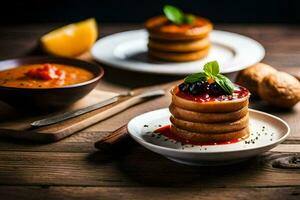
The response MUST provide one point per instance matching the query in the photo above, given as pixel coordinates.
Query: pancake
(192, 116)
(178, 57)
(161, 28)
(179, 46)
(221, 127)
(210, 107)
(208, 137)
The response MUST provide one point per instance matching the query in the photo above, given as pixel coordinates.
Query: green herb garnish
(212, 72)
(189, 18)
(176, 15)
(195, 77)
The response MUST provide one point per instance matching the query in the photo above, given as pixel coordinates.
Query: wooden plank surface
(138, 167)
(83, 142)
(132, 193)
(74, 169)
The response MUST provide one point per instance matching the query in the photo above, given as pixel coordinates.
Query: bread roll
(280, 89)
(252, 77)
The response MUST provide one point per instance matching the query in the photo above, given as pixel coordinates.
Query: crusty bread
(280, 89)
(211, 127)
(209, 137)
(252, 76)
(193, 116)
(210, 107)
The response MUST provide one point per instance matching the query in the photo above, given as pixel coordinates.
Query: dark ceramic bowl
(48, 97)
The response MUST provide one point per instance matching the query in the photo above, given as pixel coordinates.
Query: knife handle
(113, 138)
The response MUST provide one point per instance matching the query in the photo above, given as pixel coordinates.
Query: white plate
(266, 131)
(128, 50)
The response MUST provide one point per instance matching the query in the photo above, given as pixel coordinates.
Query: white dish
(128, 51)
(266, 131)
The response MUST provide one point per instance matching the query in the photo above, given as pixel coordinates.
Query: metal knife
(71, 114)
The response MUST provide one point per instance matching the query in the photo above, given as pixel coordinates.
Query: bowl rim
(59, 60)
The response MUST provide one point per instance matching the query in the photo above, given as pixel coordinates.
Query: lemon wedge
(71, 40)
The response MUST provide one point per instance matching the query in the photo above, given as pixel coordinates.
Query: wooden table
(73, 168)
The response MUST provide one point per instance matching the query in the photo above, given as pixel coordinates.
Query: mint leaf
(189, 19)
(195, 77)
(212, 71)
(211, 68)
(224, 83)
(174, 14)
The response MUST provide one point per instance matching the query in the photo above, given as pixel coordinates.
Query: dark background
(126, 11)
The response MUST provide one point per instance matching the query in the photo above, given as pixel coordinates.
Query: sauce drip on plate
(166, 131)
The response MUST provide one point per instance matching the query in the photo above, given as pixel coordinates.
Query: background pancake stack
(178, 42)
(215, 121)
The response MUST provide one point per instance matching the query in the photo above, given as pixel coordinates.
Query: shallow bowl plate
(128, 51)
(266, 132)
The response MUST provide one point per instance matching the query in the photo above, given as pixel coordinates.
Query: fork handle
(112, 138)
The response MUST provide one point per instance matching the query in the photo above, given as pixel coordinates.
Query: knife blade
(71, 114)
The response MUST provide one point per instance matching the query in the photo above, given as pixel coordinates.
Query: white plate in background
(128, 51)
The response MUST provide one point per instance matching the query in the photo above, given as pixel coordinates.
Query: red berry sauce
(238, 93)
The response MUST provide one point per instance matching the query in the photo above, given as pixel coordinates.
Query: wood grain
(137, 167)
(68, 127)
(73, 169)
(83, 142)
(147, 193)
(113, 139)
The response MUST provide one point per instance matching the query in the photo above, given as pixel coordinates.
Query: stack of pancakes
(213, 121)
(178, 42)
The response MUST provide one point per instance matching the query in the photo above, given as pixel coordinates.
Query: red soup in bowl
(45, 82)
